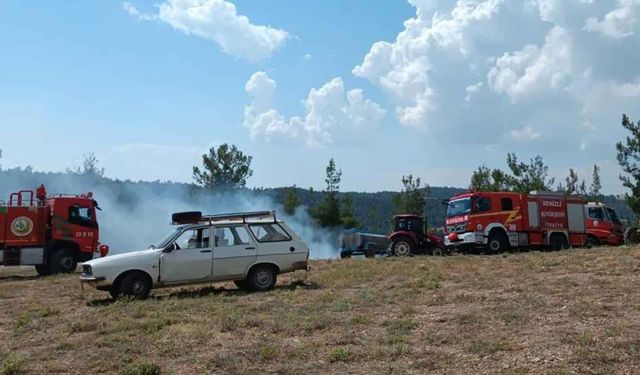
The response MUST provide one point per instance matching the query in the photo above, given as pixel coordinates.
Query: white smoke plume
(136, 215)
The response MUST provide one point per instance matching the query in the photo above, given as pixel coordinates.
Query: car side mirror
(170, 248)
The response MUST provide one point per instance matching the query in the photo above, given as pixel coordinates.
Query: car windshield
(613, 215)
(165, 241)
(459, 207)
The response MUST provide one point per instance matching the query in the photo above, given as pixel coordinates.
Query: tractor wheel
(262, 278)
(498, 243)
(62, 261)
(402, 247)
(42, 270)
(437, 251)
(135, 284)
(592, 241)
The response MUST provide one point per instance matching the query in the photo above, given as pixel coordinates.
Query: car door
(234, 251)
(189, 258)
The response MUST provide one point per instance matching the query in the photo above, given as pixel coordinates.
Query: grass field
(575, 311)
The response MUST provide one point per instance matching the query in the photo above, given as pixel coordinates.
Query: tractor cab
(409, 236)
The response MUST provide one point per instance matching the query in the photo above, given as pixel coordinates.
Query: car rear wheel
(402, 247)
(135, 285)
(261, 278)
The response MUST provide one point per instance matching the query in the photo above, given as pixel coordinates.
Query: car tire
(261, 279)
(62, 261)
(42, 270)
(402, 247)
(135, 284)
(241, 284)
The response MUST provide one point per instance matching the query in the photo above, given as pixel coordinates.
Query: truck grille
(86, 270)
(457, 228)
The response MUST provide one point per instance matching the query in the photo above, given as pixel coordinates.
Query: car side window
(269, 233)
(230, 236)
(193, 239)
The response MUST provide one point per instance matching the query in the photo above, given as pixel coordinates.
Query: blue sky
(387, 88)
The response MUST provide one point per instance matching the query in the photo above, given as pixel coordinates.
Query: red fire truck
(52, 233)
(603, 225)
(499, 221)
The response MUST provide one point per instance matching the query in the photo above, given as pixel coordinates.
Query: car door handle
(250, 248)
(205, 251)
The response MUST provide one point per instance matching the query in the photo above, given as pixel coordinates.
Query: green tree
(347, 216)
(327, 213)
(485, 179)
(291, 200)
(528, 177)
(629, 158)
(596, 186)
(373, 223)
(227, 168)
(413, 197)
(90, 166)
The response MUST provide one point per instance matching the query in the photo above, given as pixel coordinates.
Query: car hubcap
(402, 249)
(263, 278)
(138, 287)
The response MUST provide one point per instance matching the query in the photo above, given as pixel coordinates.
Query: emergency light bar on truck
(196, 217)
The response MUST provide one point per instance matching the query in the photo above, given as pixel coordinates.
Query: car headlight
(86, 270)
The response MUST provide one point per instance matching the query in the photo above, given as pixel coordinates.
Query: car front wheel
(261, 278)
(135, 285)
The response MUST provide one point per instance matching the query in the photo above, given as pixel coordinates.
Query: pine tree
(291, 200)
(327, 213)
(628, 157)
(347, 215)
(594, 189)
(227, 168)
(413, 198)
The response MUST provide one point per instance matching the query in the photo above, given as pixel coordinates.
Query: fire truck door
(534, 215)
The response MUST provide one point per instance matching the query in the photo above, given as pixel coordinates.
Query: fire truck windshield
(613, 216)
(459, 207)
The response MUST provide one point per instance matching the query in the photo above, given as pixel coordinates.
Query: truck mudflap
(32, 256)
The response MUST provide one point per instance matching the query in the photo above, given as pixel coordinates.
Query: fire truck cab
(603, 225)
(52, 233)
(499, 221)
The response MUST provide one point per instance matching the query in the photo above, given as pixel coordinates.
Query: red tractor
(52, 233)
(410, 236)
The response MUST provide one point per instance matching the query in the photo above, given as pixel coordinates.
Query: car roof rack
(240, 216)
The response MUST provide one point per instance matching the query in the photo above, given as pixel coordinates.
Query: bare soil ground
(575, 311)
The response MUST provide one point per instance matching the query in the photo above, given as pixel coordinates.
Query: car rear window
(269, 233)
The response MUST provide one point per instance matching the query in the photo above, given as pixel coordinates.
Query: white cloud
(472, 89)
(307, 57)
(403, 68)
(329, 112)
(618, 23)
(218, 21)
(526, 133)
(534, 69)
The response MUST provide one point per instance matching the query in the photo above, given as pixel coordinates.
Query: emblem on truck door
(22, 226)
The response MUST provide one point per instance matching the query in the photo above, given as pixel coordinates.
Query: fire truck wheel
(592, 241)
(558, 242)
(498, 243)
(402, 247)
(135, 284)
(62, 261)
(43, 270)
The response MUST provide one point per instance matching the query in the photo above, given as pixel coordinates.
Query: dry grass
(574, 311)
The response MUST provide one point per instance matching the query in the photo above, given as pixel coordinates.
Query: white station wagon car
(250, 249)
